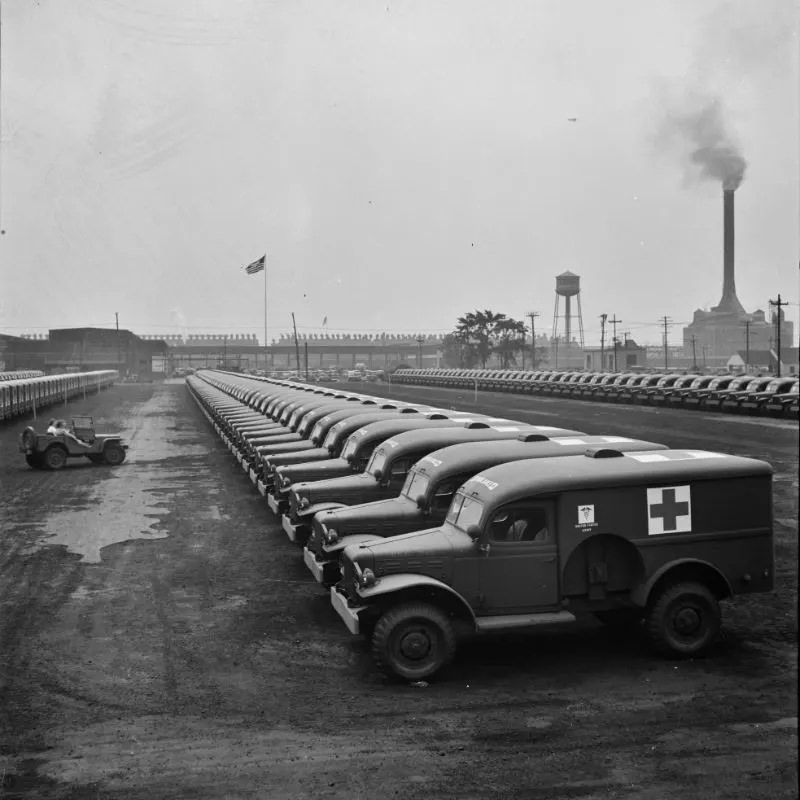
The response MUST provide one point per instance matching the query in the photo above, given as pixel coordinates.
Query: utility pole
(665, 321)
(305, 345)
(777, 303)
(296, 344)
(694, 353)
(116, 316)
(420, 340)
(614, 322)
(225, 351)
(603, 318)
(533, 315)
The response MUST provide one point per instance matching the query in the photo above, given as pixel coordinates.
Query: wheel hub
(687, 621)
(415, 645)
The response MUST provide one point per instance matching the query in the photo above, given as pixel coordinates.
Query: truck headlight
(285, 480)
(304, 502)
(331, 535)
(367, 578)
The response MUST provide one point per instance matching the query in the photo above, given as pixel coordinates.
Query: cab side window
(399, 469)
(519, 524)
(443, 494)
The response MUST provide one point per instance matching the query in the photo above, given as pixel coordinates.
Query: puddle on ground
(129, 502)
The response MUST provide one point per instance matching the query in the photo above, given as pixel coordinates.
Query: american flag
(256, 266)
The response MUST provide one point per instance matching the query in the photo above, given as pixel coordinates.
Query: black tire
(113, 454)
(55, 457)
(29, 437)
(413, 641)
(621, 619)
(34, 460)
(683, 619)
(96, 458)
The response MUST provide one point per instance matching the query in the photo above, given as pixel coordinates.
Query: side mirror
(474, 532)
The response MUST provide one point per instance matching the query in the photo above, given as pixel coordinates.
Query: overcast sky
(400, 163)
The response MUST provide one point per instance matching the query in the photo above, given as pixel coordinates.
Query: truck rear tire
(683, 619)
(413, 641)
(55, 457)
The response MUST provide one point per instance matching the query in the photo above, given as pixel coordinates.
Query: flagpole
(266, 369)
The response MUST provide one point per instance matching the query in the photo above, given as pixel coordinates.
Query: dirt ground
(160, 637)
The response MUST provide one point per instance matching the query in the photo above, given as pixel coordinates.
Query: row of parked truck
(748, 394)
(427, 525)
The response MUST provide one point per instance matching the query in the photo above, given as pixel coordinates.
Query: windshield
(330, 439)
(464, 511)
(416, 484)
(350, 447)
(378, 461)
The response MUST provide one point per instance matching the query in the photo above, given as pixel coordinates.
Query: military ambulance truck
(660, 537)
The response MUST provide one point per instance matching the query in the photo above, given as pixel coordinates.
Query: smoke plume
(694, 127)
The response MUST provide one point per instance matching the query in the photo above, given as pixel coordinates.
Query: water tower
(568, 285)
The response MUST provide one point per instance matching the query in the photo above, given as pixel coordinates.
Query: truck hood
(297, 456)
(342, 488)
(367, 517)
(284, 448)
(318, 470)
(427, 552)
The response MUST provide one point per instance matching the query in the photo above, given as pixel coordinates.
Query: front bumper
(348, 614)
(294, 532)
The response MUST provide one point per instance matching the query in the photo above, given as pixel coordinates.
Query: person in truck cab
(59, 427)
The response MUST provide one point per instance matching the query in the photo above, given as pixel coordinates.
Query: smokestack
(729, 302)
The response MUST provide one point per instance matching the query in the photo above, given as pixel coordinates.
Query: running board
(485, 624)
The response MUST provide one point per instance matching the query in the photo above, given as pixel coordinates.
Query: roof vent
(533, 437)
(437, 415)
(476, 425)
(603, 452)
(408, 411)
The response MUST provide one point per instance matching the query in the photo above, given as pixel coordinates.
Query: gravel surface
(160, 637)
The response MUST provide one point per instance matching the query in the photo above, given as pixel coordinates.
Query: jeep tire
(413, 641)
(55, 457)
(683, 619)
(113, 454)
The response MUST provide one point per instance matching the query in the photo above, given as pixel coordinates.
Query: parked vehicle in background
(732, 400)
(783, 404)
(753, 403)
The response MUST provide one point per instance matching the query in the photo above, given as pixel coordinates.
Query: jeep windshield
(416, 484)
(464, 511)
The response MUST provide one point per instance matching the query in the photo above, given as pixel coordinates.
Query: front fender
(313, 509)
(392, 584)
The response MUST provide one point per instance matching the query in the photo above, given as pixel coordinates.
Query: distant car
(49, 451)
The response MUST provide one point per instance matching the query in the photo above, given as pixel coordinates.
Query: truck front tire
(413, 641)
(683, 619)
(113, 454)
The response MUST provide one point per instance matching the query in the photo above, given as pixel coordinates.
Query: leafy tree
(509, 338)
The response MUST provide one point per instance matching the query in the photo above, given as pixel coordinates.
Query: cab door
(518, 571)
